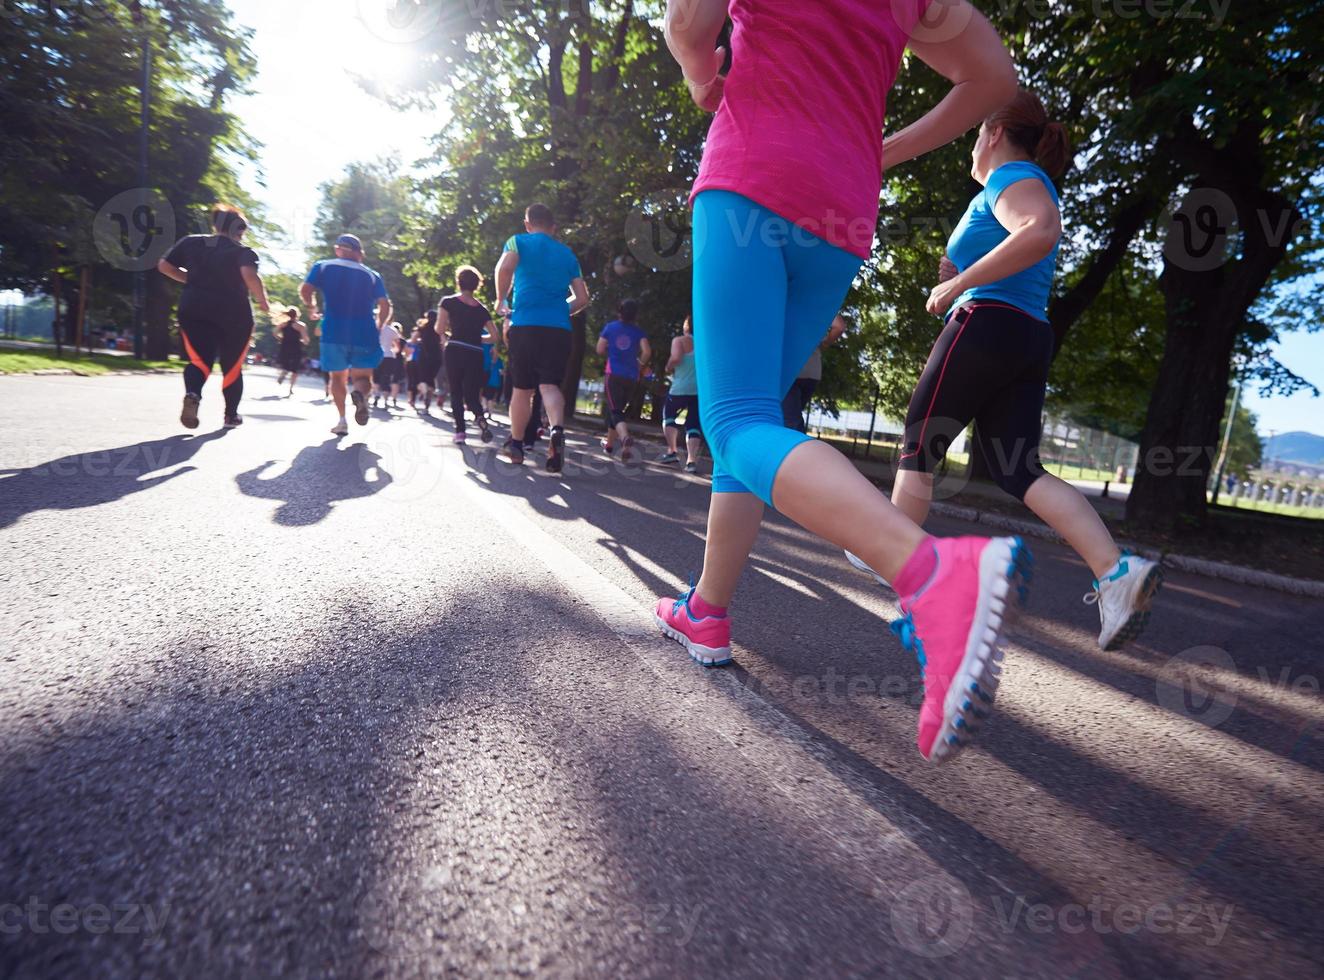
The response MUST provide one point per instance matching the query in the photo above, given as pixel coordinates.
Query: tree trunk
(1177, 444)
(56, 281)
(574, 368)
(160, 303)
(1206, 310)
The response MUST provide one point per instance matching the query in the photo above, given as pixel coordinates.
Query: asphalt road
(277, 704)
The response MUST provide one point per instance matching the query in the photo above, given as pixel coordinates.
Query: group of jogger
(784, 210)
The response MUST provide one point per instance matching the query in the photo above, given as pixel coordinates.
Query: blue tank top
(979, 232)
(683, 380)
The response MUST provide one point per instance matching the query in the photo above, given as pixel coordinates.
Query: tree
(373, 201)
(577, 106)
(1203, 141)
(69, 76)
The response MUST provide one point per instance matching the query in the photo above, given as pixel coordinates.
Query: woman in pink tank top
(785, 207)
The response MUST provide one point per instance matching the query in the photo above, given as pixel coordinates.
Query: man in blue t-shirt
(544, 273)
(625, 346)
(350, 335)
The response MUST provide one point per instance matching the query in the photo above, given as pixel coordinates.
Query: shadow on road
(316, 479)
(94, 478)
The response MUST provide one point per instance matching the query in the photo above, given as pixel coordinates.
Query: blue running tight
(765, 293)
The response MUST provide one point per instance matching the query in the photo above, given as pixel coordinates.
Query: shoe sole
(188, 415)
(1006, 567)
(700, 654)
(515, 457)
(360, 408)
(1135, 623)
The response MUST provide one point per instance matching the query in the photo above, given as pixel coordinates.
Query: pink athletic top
(800, 127)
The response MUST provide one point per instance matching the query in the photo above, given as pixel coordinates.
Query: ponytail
(1028, 128)
(1054, 150)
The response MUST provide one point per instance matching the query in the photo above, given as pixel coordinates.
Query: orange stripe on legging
(193, 357)
(232, 375)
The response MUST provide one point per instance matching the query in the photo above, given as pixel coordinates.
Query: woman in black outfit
(428, 364)
(215, 318)
(293, 336)
(467, 324)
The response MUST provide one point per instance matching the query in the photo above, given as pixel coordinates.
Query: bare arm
(645, 351)
(977, 64)
(302, 327)
(505, 278)
(489, 333)
(309, 297)
(580, 291)
(1027, 211)
(171, 271)
(383, 313)
(835, 332)
(602, 347)
(691, 28)
(254, 283)
(677, 353)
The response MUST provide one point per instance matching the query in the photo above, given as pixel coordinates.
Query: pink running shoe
(708, 640)
(459, 439)
(954, 625)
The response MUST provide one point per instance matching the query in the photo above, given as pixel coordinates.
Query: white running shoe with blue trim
(1124, 597)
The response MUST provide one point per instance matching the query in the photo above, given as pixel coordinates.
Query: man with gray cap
(350, 347)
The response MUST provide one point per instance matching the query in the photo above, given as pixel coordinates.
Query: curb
(1186, 563)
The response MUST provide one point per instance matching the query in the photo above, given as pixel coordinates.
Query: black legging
(204, 341)
(465, 375)
(990, 365)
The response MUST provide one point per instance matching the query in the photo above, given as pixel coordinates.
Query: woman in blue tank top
(682, 398)
(990, 363)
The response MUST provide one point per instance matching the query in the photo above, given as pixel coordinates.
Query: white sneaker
(341, 428)
(859, 563)
(1124, 596)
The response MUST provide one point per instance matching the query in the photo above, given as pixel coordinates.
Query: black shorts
(291, 361)
(538, 356)
(619, 392)
(990, 366)
(688, 404)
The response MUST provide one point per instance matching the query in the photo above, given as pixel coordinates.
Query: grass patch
(90, 365)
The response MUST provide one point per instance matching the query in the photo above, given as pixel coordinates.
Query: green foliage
(1245, 448)
(373, 201)
(69, 97)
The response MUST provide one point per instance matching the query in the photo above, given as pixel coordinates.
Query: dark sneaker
(234, 421)
(668, 458)
(188, 415)
(360, 407)
(556, 453)
(691, 467)
(514, 452)
(485, 431)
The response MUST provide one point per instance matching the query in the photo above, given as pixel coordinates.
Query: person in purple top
(625, 346)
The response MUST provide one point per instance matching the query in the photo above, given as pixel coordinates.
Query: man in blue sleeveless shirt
(544, 273)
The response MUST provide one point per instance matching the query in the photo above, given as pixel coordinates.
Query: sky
(308, 111)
